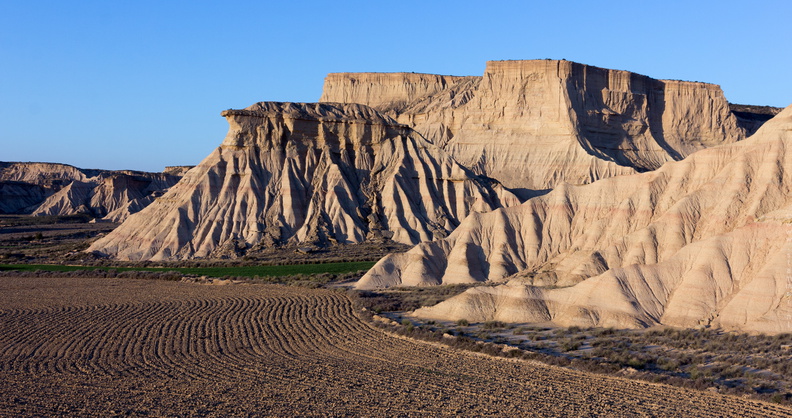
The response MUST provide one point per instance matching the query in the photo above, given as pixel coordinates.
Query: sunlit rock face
(292, 173)
(534, 124)
(702, 241)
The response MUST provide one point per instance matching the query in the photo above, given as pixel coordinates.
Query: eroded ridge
(182, 348)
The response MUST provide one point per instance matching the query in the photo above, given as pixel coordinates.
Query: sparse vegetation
(755, 365)
(61, 240)
(236, 271)
(407, 298)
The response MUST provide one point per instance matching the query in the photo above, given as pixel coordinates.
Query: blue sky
(140, 84)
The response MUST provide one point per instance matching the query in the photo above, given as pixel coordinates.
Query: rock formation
(292, 173)
(751, 118)
(534, 124)
(706, 240)
(178, 170)
(60, 189)
(407, 157)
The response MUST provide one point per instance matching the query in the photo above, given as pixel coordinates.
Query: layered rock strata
(60, 189)
(535, 124)
(293, 173)
(703, 241)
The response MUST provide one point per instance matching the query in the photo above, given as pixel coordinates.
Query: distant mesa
(60, 189)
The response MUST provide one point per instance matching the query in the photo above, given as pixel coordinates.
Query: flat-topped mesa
(535, 123)
(384, 91)
(307, 173)
(277, 124)
(631, 119)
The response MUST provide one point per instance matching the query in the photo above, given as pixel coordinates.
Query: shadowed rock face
(705, 240)
(60, 189)
(534, 124)
(751, 118)
(290, 173)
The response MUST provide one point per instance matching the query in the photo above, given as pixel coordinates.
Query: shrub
(570, 345)
(463, 322)
(667, 364)
(493, 325)
(636, 363)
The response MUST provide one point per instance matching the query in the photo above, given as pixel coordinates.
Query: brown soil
(99, 347)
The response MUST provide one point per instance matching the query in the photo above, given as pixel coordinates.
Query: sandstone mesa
(597, 197)
(409, 156)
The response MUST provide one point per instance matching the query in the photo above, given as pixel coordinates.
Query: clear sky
(140, 84)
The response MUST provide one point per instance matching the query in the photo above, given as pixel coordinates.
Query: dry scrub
(759, 365)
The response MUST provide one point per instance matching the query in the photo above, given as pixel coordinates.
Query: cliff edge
(536, 123)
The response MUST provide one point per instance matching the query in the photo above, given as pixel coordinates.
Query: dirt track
(134, 347)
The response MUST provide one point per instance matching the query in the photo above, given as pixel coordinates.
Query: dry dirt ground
(99, 347)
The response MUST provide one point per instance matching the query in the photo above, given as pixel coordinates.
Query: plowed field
(133, 347)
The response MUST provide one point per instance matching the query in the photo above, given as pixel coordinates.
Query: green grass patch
(242, 271)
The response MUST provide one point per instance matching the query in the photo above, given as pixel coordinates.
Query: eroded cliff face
(60, 189)
(292, 173)
(534, 124)
(705, 240)
(389, 92)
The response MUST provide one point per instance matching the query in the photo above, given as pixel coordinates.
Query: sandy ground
(99, 347)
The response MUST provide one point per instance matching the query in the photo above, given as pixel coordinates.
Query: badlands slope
(292, 173)
(533, 124)
(706, 240)
(60, 189)
(428, 152)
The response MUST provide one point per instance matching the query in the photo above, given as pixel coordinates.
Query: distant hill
(60, 189)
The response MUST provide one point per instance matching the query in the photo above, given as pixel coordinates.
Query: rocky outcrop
(751, 118)
(177, 170)
(535, 124)
(295, 173)
(390, 92)
(60, 189)
(705, 240)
